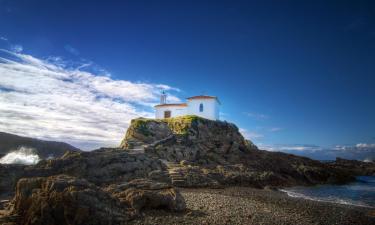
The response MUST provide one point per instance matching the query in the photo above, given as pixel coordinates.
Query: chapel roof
(174, 104)
(203, 97)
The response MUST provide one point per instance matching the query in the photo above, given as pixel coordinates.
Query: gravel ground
(241, 205)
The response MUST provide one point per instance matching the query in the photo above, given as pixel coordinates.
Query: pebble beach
(243, 205)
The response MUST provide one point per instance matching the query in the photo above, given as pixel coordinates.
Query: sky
(288, 73)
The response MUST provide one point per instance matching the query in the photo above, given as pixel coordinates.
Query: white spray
(22, 155)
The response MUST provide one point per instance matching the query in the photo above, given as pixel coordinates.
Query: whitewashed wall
(210, 108)
(175, 111)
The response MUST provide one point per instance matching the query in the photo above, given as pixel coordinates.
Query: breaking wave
(23, 155)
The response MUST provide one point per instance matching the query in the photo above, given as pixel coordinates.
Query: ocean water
(358, 193)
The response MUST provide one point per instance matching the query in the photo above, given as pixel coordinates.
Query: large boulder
(144, 193)
(101, 167)
(66, 200)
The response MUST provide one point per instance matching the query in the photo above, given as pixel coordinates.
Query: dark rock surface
(64, 199)
(355, 167)
(101, 167)
(143, 193)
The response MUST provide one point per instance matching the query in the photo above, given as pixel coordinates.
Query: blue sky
(287, 72)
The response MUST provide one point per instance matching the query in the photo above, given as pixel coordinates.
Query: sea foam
(22, 155)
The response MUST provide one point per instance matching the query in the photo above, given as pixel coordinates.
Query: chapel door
(167, 114)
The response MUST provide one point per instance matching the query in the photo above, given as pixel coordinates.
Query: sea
(361, 192)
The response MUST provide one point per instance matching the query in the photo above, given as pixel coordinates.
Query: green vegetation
(140, 124)
(178, 125)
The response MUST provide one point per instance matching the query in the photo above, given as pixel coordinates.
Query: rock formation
(189, 138)
(201, 152)
(101, 167)
(113, 185)
(64, 199)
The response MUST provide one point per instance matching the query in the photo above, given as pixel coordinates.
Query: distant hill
(352, 153)
(10, 142)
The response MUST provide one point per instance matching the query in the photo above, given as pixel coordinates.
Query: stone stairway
(176, 176)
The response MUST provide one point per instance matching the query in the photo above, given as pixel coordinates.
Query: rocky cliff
(189, 138)
(201, 152)
(105, 186)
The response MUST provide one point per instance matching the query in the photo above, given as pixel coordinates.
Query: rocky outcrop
(101, 167)
(211, 153)
(358, 168)
(143, 193)
(68, 200)
(188, 138)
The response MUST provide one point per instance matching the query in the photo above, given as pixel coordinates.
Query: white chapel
(202, 105)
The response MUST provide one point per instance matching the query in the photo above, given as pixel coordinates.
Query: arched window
(201, 107)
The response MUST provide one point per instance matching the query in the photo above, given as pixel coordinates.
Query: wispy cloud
(359, 146)
(3, 38)
(365, 145)
(257, 116)
(295, 147)
(48, 99)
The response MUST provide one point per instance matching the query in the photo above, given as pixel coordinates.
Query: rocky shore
(244, 205)
(140, 181)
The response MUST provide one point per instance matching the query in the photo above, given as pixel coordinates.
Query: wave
(23, 155)
(329, 199)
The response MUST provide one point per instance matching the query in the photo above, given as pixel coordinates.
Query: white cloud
(17, 48)
(250, 134)
(295, 147)
(3, 38)
(44, 99)
(365, 145)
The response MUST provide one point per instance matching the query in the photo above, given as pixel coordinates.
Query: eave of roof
(165, 105)
(203, 97)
